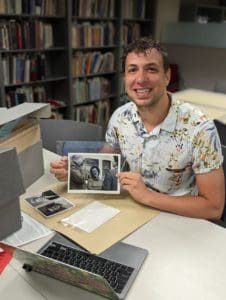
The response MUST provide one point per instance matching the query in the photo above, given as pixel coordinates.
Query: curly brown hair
(141, 46)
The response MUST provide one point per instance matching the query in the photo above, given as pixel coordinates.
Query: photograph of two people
(93, 173)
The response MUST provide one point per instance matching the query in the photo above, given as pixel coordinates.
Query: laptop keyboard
(115, 273)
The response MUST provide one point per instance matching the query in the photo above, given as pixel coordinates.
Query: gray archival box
(11, 187)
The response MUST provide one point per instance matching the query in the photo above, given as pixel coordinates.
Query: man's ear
(168, 76)
(124, 83)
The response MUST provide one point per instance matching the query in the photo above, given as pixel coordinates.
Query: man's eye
(131, 70)
(151, 69)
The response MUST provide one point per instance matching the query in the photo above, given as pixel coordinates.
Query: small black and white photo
(42, 198)
(93, 173)
(49, 203)
(55, 207)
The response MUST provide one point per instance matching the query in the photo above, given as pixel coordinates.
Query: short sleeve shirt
(184, 144)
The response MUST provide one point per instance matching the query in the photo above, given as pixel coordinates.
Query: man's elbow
(217, 211)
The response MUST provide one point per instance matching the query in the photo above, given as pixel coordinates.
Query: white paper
(31, 230)
(91, 217)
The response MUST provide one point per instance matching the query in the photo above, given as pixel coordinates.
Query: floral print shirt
(184, 144)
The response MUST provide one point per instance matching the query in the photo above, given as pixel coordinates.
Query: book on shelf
(92, 62)
(55, 114)
(77, 64)
(19, 40)
(5, 68)
(103, 112)
(86, 113)
(11, 26)
(75, 35)
(98, 113)
(90, 89)
(98, 63)
(26, 94)
(108, 62)
(4, 38)
(99, 34)
(133, 9)
(15, 97)
(34, 7)
(38, 34)
(13, 69)
(27, 68)
(111, 9)
(109, 33)
(95, 57)
(39, 94)
(41, 64)
(23, 34)
(2, 6)
(36, 94)
(47, 36)
(34, 68)
(87, 64)
(56, 103)
(94, 8)
(19, 68)
(20, 59)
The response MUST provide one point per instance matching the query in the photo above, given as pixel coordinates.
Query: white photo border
(79, 176)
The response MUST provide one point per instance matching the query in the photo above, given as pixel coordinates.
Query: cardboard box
(11, 187)
(19, 128)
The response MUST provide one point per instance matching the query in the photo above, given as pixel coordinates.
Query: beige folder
(132, 215)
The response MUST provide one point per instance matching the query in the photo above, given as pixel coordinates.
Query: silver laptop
(109, 274)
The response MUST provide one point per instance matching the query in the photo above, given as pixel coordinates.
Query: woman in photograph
(94, 181)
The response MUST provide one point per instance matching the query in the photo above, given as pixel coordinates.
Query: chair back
(221, 129)
(55, 130)
(220, 86)
(223, 218)
(65, 147)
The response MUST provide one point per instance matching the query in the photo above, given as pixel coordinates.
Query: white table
(211, 103)
(187, 261)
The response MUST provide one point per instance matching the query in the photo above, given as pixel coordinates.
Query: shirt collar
(168, 124)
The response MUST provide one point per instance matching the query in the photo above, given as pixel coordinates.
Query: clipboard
(132, 216)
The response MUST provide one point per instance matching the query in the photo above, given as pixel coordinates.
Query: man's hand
(60, 168)
(134, 184)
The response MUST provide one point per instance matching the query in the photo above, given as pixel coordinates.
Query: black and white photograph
(93, 173)
(48, 203)
(42, 198)
(55, 207)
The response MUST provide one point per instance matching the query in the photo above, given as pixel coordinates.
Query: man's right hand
(60, 168)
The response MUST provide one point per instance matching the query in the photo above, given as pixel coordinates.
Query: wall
(166, 11)
(199, 67)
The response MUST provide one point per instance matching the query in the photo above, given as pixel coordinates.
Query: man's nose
(141, 76)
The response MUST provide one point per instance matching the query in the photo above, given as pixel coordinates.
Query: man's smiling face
(145, 78)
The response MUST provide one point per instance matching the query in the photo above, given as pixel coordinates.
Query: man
(172, 149)
(78, 172)
(110, 179)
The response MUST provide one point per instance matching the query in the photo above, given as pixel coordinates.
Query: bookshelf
(32, 51)
(103, 28)
(78, 67)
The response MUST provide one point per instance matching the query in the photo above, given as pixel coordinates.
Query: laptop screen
(110, 274)
(72, 275)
